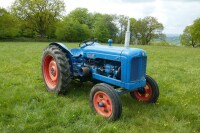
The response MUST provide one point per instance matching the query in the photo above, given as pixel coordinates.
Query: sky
(175, 15)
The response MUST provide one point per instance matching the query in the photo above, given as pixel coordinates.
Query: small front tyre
(149, 93)
(105, 101)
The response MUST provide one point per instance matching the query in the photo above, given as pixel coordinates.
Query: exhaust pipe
(127, 37)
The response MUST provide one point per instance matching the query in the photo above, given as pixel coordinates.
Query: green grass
(26, 106)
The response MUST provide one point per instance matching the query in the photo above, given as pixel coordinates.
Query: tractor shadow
(79, 89)
(131, 108)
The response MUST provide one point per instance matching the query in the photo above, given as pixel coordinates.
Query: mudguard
(62, 46)
(67, 51)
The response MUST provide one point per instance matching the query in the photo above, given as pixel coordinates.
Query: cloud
(181, 0)
(136, 1)
(144, 1)
(176, 15)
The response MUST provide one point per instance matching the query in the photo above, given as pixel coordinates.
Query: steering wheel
(87, 43)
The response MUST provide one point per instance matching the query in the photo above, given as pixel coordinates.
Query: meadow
(26, 106)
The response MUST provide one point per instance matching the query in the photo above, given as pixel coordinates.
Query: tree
(134, 35)
(186, 38)
(101, 31)
(122, 22)
(191, 34)
(195, 30)
(147, 29)
(104, 27)
(72, 31)
(39, 15)
(9, 25)
(80, 25)
(82, 16)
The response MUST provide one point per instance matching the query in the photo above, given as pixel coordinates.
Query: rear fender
(67, 51)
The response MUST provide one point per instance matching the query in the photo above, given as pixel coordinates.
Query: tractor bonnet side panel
(102, 52)
(132, 64)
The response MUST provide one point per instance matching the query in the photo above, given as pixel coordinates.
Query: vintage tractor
(116, 70)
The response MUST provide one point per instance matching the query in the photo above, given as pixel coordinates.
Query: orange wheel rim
(50, 72)
(102, 104)
(146, 95)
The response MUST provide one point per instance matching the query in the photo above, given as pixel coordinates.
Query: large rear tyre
(105, 101)
(149, 93)
(55, 69)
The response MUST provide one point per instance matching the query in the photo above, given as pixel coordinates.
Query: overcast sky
(174, 14)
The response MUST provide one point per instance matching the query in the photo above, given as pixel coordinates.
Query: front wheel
(105, 101)
(149, 93)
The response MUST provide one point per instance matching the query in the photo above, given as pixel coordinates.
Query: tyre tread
(63, 67)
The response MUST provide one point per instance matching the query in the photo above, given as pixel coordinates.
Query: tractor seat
(76, 52)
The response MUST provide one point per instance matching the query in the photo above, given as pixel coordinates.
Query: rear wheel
(149, 93)
(105, 101)
(55, 69)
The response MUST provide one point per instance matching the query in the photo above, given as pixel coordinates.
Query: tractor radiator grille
(138, 68)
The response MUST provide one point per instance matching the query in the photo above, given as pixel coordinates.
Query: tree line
(191, 34)
(46, 19)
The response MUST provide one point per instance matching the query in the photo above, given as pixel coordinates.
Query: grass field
(26, 106)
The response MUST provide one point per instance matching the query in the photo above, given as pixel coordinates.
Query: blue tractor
(115, 70)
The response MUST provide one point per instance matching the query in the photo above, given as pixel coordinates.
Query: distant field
(26, 106)
(173, 38)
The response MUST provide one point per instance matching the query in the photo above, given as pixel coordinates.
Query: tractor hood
(109, 52)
